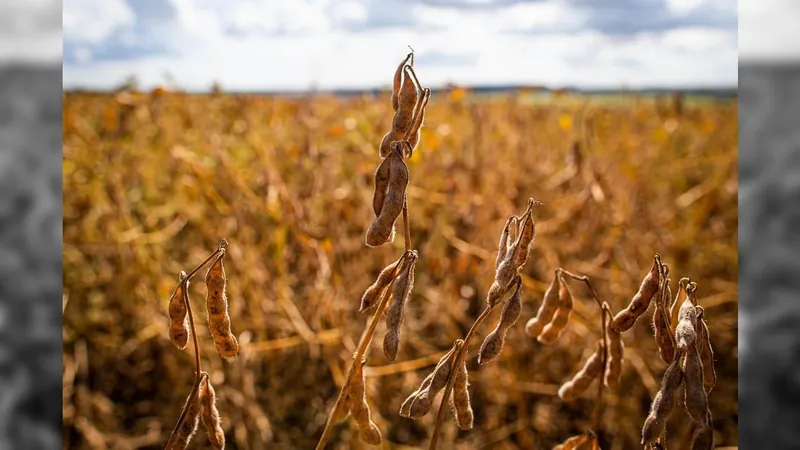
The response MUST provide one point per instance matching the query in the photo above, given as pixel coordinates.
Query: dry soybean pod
(706, 351)
(178, 314)
(696, 401)
(405, 408)
(459, 401)
(625, 319)
(676, 304)
(188, 421)
(398, 79)
(381, 183)
(685, 333)
(415, 130)
(401, 290)
(663, 402)
(493, 343)
(359, 408)
(703, 437)
(527, 232)
(421, 404)
(384, 279)
(209, 414)
(381, 230)
(548, 307)
(553, 330)
(663, 335)
(502, 247)
(404, 115)
(217, 308)
(616, 352)
(581, 381)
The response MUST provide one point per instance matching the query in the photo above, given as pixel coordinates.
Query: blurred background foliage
(152, 181)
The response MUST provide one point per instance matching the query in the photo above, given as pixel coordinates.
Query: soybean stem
(406, 226)
(363, 345)
(457, 361)
(223, 244)
(605, 312)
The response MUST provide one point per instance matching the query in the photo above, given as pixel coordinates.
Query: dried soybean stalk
(625, 319)
(493, 343)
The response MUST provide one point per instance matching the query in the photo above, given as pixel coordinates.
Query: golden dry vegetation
(153, 181)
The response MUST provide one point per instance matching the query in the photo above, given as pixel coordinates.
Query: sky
(302, 44)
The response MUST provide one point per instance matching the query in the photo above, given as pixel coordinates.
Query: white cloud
(94, 21)
(297, 45)
(768, 29)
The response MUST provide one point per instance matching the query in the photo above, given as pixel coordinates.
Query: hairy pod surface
(401, 290)
(179, 330)
(676, 304)
(422, 401)
(685, 333)
(696, 400)
(209, 415)
(188, 422)
(219, 321)
(663, 402)
(459, 401)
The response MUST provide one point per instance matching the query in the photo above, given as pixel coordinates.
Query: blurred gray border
(769, 255)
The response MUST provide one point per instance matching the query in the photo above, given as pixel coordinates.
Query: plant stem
(605, 314)
(198, 367)
(457, 361)
(363, 345)
(223, 244)
(406, 226)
